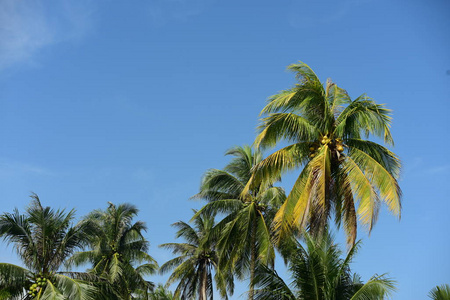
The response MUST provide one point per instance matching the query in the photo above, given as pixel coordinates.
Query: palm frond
(378, 287)
(441, 292)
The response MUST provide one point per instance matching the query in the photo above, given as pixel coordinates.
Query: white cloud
(27, 26)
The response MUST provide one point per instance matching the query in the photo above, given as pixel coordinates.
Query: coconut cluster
(39, 283)
(334, 143)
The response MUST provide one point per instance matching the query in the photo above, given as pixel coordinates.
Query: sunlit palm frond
(385, 182)
(287, 126)
(364, 116)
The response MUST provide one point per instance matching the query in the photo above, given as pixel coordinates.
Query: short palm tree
(342, 171)
(440, 292)
(193, 268)
(44, 238)
(119, 252)
(161, 293)
(319, 273)
(245, 235)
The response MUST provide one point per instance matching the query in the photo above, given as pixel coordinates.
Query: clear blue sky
(111, 101)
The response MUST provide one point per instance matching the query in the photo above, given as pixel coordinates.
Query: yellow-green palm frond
(337, 98)
(386, 158)
(294, 211)
(364, 192)
(364, 116)
(284, 126)
(304, 73)
(345, 206)
(321, 171)
(272, 167)
(385, 183)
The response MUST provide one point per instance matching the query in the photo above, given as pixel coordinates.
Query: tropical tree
(319, 273)
(440, 292)
(245, 235)
(193, 268)
(44, 238)
(118, 252)
(342, 171)
(161, 293)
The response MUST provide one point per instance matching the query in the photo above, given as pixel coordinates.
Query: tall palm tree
(440, 292)
(197, 259)
(118, 252)
(342, 171)
(44, 238)
(318, 273)
(245, 234)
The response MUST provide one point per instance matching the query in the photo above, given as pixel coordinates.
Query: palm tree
(44, 239)
(440, 292)
(342, 170)
(318, 273)
(161, 293)
(118, 252)
(245, 234)
(197, 259)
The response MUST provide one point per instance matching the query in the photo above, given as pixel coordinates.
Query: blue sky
(110, 101)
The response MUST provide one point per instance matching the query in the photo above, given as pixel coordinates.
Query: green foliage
(440, 292)
(193, 268)
(244, 234)
(342, 172)
(44, 239)
(119, 257)
(161, 293)
(319, 273)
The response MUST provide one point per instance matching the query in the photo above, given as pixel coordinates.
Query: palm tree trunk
(253, 258)
(204, 283)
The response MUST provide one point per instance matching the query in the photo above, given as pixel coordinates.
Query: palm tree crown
(196, 261)
(319, 273)
(342, 171)
(245, 235)
(44, 238)
(119, 252)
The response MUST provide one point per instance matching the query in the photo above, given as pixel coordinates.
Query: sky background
(111, 101)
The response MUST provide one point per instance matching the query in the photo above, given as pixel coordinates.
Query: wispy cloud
(438, 169)
(27, 26)
(162, 12)
(419, 167)
(304, 13)
(10, 168)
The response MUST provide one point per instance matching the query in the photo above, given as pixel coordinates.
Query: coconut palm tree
(161, 293)
(118, 253)
(319, 273)
(342, 171)
(193, 268)
(44, 238)
(440, 292)
(245, 234)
